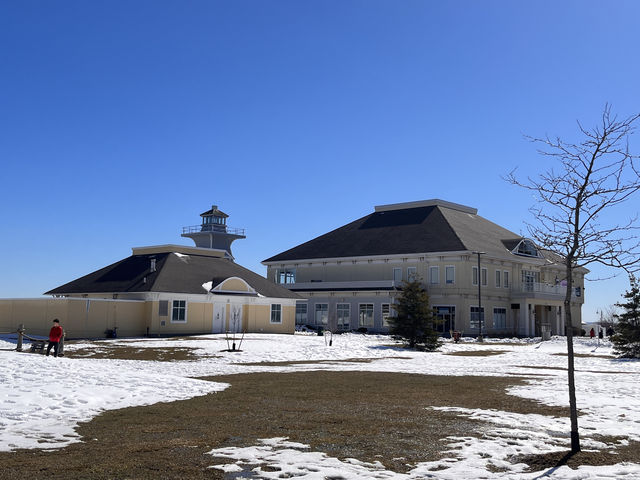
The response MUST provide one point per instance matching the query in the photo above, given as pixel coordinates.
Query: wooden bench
(37, 346)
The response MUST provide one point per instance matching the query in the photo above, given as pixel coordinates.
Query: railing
(213, 228)
(548, 289)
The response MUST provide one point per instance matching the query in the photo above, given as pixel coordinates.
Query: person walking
(592, 333)
(55, 334)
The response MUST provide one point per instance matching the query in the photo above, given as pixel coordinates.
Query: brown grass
(369, 416)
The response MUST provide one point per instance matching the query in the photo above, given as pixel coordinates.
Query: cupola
(213, 232)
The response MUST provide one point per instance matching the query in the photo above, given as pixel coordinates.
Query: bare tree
(573, 206)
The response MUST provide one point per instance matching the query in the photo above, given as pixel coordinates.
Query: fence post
(61, 345)
(20, 333)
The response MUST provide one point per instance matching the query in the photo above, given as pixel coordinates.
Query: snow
(42, 399)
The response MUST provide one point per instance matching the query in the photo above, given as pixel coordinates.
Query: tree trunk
(573, 409)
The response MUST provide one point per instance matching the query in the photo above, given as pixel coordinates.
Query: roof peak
(434, 202)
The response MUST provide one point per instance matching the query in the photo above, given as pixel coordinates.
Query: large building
(164, 290)
(352, 275)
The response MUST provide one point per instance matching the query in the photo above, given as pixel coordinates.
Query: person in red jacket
(55, 334)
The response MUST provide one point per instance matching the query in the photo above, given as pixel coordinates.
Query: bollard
(20, 334)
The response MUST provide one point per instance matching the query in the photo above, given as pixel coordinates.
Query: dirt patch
(366, 415)
(121, 352)
(476, 353)
(628, 453)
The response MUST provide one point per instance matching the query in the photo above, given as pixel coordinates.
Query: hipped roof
(435, 227)
(174, 273)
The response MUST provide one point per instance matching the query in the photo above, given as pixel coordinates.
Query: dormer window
(527, 248)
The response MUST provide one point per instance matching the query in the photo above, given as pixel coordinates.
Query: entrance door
(235, 318)
(218, 317)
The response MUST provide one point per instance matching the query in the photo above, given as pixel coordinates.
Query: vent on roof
(153, 265)
(435, 202)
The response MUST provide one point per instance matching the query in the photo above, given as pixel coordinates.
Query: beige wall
(80, 318)
(258, 319)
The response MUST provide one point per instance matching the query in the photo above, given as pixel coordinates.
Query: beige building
(163, 290)
(352, 275)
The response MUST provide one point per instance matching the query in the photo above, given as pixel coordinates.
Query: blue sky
(122, 121)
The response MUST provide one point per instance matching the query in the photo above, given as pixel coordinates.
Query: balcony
(212, 228)
(341, 286)
(544, 290)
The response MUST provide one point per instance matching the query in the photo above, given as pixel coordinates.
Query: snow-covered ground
(43, 398)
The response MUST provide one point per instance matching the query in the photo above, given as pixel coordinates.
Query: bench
(37, 346)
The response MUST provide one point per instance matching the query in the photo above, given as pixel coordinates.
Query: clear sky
(121, 121)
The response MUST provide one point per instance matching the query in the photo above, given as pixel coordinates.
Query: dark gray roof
(423, 229)
(174, 274)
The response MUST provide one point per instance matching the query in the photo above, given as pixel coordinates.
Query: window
(276, 313)
(163, 308)
(285, 276)
(301, 313)
(450, 274)
(411, 273)
(386, 314)
(506, 279)
(397, 275)
(322, 313)
(365, 315)
(498, 278)
(529, 280)
(484, 277)
(527, 248)
(499, 318)
(473, 319)
(343, 311)
(434, 275)
(446, 316)
(179, 311)
(474, 275)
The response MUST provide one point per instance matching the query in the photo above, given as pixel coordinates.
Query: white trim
(271, 314)
(218, 288)
(183, 249)
(186, 303)
(410, 257)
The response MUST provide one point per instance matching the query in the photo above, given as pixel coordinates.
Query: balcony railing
(548, 289)
(213, 228)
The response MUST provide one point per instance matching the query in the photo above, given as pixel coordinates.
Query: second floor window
(434, 275)
(286, 276)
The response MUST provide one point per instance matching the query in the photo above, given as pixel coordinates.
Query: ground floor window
(322, 313)
(301, 314)
(365, 315)
(386, 314)
(474, 318)
(179, 311)
(276, 313)
(446, 316)
(343, 311)
(499, 318)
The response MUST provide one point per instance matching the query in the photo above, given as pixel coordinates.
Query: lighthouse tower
(213, 232)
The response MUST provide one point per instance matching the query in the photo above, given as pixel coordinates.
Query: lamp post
(479, 297)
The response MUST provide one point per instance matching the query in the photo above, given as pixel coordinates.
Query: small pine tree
(627, 336)
(414, 321)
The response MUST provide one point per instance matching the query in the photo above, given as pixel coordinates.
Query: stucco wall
(80, 318)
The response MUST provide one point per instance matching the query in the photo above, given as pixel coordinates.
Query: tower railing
(212, 228)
